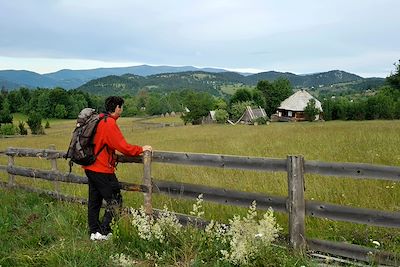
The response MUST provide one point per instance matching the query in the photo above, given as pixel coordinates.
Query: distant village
(290, 110)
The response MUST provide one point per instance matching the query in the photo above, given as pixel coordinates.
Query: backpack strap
(102, 116)
(101, 149)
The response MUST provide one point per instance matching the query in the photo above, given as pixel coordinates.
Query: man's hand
(147, 148)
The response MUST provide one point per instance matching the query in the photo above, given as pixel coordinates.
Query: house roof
(252, 113)
(256, 112)
(298, 101)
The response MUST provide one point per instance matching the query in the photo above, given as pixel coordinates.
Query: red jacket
(109, 136)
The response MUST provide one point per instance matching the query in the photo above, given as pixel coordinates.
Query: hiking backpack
(81, 147)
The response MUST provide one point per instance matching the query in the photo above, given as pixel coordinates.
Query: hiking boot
(97, 236)
(108, 236)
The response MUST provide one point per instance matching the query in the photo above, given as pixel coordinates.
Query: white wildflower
(216, 231)
(142, 222)
(147, 256)
(247, 236)
(122, 260)
(376, 243)
(209, 227)
(151, 229)
(197, 209)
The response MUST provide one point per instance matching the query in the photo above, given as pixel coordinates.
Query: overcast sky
(307, 36)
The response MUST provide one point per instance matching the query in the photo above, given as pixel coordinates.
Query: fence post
(147, 182)
(296, 203)
(11, 180)
(55, 169)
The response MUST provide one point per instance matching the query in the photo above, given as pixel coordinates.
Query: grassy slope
(367, 141)
(33, 232)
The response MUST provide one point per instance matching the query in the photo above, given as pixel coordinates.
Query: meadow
(374, 142)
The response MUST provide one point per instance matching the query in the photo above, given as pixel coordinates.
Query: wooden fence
(295, 204)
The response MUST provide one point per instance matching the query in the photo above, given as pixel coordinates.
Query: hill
(215, 82)
(129, 80)
(11, 79)
(131, 84)
(69, 79)
(309, 80)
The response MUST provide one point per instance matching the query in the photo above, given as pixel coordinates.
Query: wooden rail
(295, 204)
(351, 170)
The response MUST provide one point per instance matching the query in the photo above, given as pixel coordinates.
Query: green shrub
(221, 115)
(7, 129)
(237, 109)
(35, 123)
(311, 111)
(5, 116)
(261, 120)
(47, 125)
(21, 128)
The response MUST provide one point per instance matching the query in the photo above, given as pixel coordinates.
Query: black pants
(102, 186)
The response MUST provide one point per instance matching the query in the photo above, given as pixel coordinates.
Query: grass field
(230, 89)
(375, 142)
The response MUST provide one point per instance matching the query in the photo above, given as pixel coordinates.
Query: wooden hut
(251, 114)
(292, 108)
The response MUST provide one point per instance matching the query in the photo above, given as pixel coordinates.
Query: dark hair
(112, 102)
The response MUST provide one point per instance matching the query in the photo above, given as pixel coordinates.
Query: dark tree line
(385, 104)
(48, 103)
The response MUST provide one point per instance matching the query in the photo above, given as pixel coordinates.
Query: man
(103, 183)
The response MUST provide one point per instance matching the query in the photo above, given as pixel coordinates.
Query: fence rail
(351, 170)
(295, 204)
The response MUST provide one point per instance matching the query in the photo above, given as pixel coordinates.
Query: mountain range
(129, 80)
(70, 79)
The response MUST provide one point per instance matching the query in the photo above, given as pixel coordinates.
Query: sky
(302, 37)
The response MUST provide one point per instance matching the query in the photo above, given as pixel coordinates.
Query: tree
(239, 108)
(60, 111)
(310, 111)
(394, 78)
(78, 102)
(274, 93)
(199, 105)
(130, 107)
(220, 103)
(21, 128)
(380, 106)
(241, 95)
(59, 96)
(221, 115)
(44, 105)
(258, 98)
(35, 123)
(327, 107)
(16, 99)
(5, 114)
(156, 104)
(356, 110)
(142, 96)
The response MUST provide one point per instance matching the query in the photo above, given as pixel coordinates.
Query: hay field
(375, 142)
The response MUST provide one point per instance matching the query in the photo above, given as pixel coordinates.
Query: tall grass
(38, 231)
(375, 142)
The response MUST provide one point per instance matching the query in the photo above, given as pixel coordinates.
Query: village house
(292, 108)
